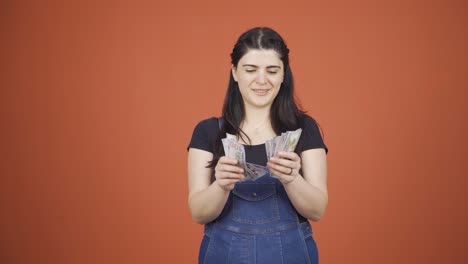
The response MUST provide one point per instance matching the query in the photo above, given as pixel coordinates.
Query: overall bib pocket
(255, 203)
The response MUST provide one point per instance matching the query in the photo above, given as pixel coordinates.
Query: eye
(250, 70)
(272, 72)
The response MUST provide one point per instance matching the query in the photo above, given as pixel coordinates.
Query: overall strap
(220, 122)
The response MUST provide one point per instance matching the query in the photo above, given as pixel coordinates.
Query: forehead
(261, 57)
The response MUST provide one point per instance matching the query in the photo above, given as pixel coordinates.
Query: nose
(261, 78)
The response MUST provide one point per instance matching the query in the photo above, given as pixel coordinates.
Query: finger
(229, 175)
(279, 168)
(281, 175)
(229, 168)
(227, 160)
(289, 155)
(285, 162)
(225, 182)
(273, 171)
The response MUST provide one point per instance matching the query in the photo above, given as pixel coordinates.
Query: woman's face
(259, 75)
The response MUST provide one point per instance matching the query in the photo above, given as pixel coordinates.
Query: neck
(256, 116)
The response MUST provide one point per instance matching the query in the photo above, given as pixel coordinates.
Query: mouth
(260, 92)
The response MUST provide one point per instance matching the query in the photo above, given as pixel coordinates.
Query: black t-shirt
(206, 132)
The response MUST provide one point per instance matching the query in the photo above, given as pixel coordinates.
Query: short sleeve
(312, 138)
(204, 135)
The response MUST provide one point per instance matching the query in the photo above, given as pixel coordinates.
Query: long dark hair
(285, 114)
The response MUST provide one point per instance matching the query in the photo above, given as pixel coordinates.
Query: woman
(261, 221)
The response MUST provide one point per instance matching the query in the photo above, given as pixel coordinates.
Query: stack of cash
(286, 142)
(233, 149)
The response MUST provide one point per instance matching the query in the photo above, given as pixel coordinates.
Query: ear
(234, 72)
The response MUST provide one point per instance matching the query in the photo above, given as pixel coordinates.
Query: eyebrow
(255, 66)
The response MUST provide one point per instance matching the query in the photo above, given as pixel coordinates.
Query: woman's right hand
(227, 173)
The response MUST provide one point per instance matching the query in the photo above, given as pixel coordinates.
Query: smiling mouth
(260, 92)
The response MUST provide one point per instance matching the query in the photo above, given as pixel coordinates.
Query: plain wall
(99, 101)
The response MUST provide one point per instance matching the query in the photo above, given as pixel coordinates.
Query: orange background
(99, 101)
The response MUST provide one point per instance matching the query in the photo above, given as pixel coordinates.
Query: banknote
(286, 142)
(268, 149)
(256, 170)
(292, 139)
(236, 150)
(230, 136)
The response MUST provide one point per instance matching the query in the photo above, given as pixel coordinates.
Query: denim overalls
(258, 225)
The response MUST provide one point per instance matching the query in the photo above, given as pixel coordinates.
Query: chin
(261, 104)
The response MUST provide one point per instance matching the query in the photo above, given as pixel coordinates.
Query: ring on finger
(290, 171)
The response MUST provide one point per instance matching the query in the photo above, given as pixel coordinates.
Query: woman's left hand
(286, 166)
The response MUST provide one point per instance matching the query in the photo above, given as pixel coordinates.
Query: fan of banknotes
(233, 149)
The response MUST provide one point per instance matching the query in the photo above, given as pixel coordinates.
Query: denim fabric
(258, 225)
